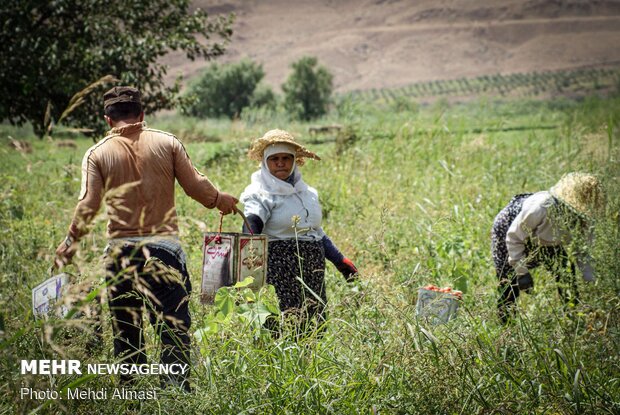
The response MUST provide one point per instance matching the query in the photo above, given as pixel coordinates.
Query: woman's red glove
(347, 269)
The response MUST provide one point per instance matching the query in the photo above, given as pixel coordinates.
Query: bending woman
(280, 204)
(537, 228)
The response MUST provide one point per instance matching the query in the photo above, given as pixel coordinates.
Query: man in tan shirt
(134, 169)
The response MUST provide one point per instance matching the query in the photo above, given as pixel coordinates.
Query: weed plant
(411, 199)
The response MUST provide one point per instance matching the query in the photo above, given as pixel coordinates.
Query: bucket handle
(240, 212)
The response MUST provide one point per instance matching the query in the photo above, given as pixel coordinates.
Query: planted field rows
(519, 84)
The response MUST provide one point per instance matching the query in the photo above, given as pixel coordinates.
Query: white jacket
(535, 223)
(276, 202)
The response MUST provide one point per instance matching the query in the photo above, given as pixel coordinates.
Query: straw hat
(271, 137)
(581, 191)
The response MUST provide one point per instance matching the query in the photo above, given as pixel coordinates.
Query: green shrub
(403, 103)
(264, 96)
(224, 90)
(307, 91)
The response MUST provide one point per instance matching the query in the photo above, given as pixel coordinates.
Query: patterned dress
(299, 281)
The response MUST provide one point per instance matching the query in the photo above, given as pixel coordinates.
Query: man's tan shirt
(134, 168)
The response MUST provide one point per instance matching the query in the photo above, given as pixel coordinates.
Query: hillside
(391, 43)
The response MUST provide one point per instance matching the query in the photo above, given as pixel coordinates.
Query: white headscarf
(265, 182)
(279, 148)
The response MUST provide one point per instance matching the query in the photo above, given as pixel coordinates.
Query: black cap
(121, 94)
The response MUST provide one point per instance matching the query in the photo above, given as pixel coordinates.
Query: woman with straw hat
(281, 205)
(537, 228)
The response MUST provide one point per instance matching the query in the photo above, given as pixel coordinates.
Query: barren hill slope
(390, 43)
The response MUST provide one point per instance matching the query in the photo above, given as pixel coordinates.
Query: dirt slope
(390, 43)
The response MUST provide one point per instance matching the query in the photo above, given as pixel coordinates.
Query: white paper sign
(48, 293)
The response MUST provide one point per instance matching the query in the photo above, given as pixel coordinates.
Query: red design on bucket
(217, 251)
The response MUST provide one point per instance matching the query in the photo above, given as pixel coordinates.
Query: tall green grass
(410, 196)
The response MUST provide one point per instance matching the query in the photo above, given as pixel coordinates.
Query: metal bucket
(436, 307)
(229, 258)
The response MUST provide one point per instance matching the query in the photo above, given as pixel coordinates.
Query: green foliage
(402, 103)
(346, 138)
(239, 306)
(225, 90)
(307, 91)
(52, 50)
(264, 97)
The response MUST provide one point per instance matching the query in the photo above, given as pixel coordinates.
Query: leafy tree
(264, 96)
(307, 91)
(224, 90)
(52, 49)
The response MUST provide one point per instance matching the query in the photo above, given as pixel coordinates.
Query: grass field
(409, 193)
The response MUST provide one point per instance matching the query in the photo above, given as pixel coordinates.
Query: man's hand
(226, 203)
(64, 253)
